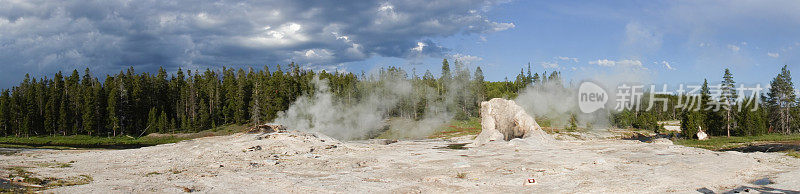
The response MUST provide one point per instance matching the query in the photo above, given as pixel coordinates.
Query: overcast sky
(668, 41)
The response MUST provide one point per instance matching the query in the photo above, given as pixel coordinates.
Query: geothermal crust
(301, 162)
(297, 162)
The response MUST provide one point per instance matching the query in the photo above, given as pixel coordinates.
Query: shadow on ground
(768, 147)
(648, 138)
(746, 189)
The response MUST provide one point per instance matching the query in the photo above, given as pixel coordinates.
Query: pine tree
(781, 101)
(728, 98)
(27, 106)
(691, 122)
(750, 121)
(445, 70)
(759, 125)
(255, 106)
(162, 92)
(230, 88)
(124, 108)
(5, 113)
(242, 99)
(479, 86)
(57, 98)
(203, 120)
(520, 82)
(112, 106)
(529, 76)
(163, 123)
(89, 103)
(64, 116)
(178, 86)
(152, 121)
(711, 118)
(555, 76)
(41, 95)
(573, 122)
(172, 125)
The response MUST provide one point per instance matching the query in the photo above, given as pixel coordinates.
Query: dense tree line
(135, 104)
(131, 103)
(772, 111)
(723, 113)
(510, 89)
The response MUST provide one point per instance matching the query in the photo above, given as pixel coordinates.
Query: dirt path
(300, 162)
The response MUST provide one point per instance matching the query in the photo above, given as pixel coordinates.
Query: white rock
(701, 135)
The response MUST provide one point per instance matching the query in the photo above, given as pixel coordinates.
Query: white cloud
(734, 48)
(420, 46)
(622, 63)
(113, 34)
(604, 62)
(630, 63)
(773, 55)
(466, 59)
(314, 55)
(288, 34)
(546, 65)
(502, 26)
(640, 38)
(567, 59)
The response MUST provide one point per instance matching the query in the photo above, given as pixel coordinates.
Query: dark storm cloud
(108, 35)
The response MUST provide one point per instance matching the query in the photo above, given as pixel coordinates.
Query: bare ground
(298, 162)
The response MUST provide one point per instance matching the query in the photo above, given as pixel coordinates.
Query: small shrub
(793, 153)
(70, 181)
(33, 180)
(152, 173)
(176, 171)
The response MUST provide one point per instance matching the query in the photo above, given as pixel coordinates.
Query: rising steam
(557, 102)
(369, 117)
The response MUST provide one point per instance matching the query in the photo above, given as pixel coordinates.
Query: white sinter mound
(503, 119)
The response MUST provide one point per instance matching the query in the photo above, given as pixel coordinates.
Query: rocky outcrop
(267, 128)
(503, 119)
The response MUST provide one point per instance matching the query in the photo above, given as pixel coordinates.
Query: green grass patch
(69, 181)
(46, 183)
(18, 171)
(119, 142)
(54, 165)
(458, 128)
(229, 129)
(721, 142)
(402, 128)
(85, 141)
